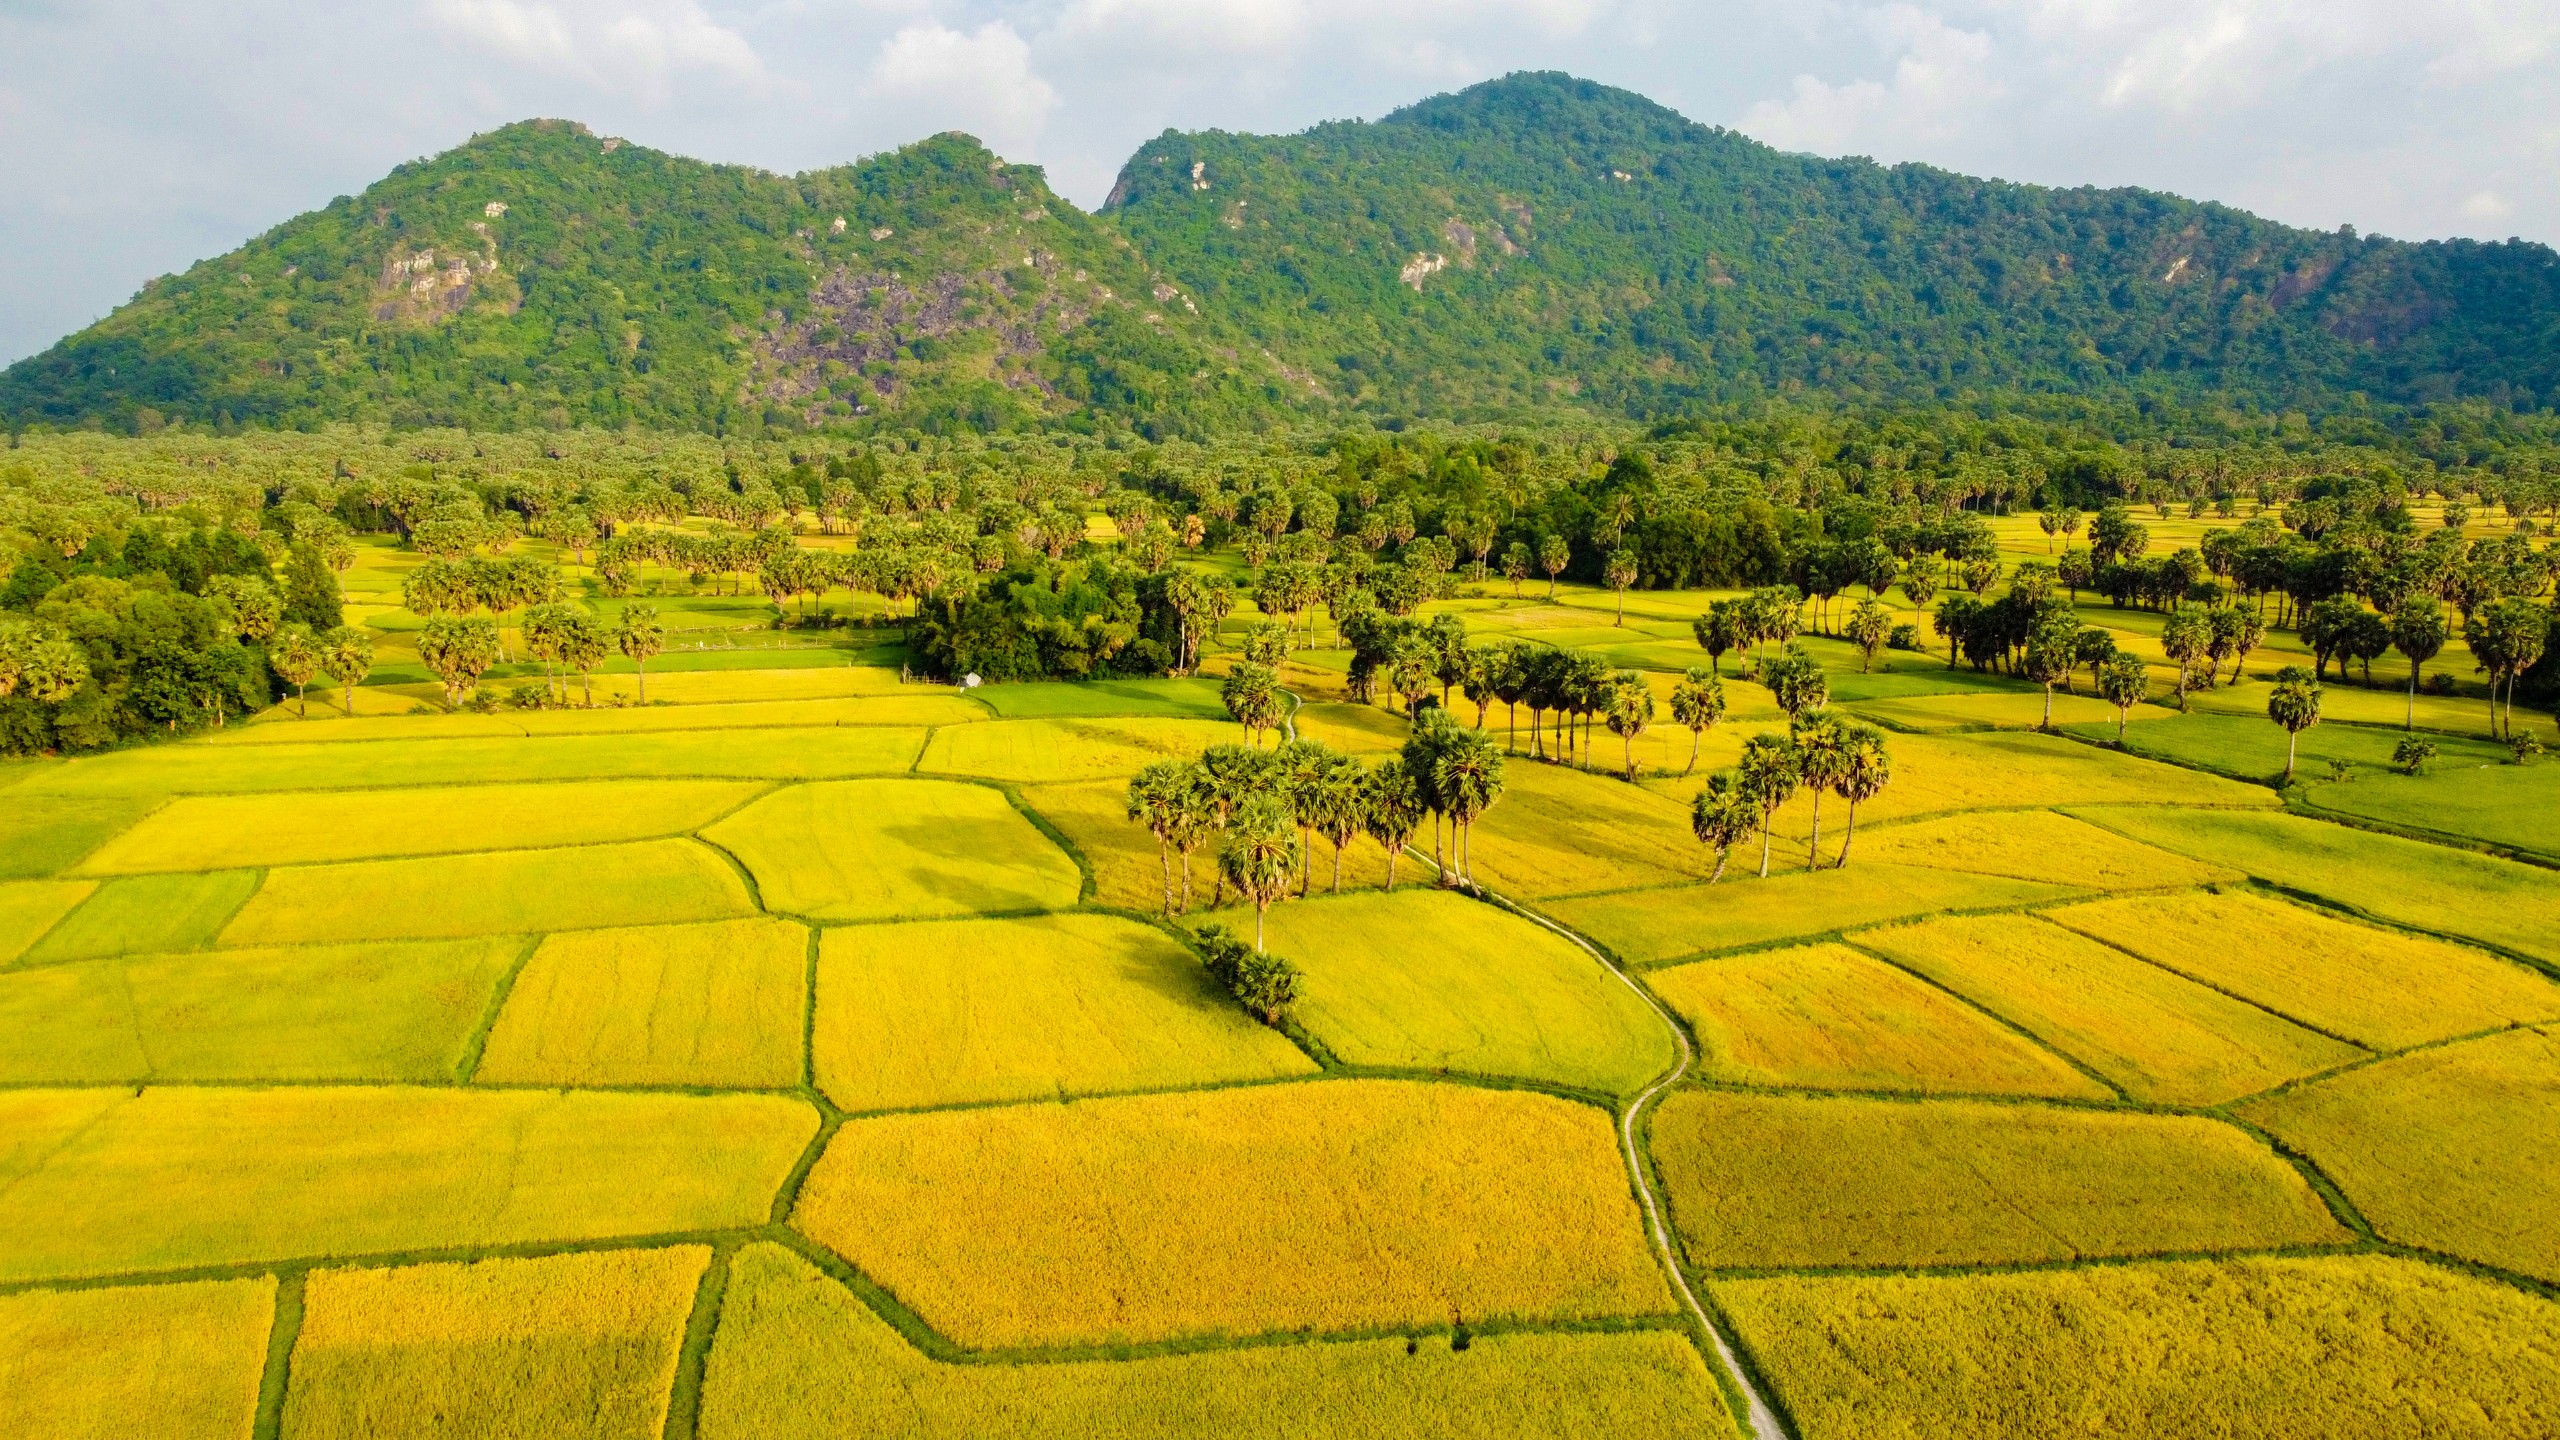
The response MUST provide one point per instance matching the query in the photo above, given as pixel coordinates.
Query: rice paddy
(2039, 845)
(896, 849)
(713, 1004)
(502, 892)
(159, 1362)
(1156, 1217)
(1051, 751)
(1651, 926)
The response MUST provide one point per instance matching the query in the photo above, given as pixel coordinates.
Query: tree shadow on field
(928, 854)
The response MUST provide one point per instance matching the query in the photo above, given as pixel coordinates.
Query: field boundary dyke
(467, 1066)
(284, 1332)
(693, 1354)
(2201, 983)
(2087, 1071)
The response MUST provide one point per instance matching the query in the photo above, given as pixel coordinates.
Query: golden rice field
(712, 1004)
(1038, 1008)
(1430, 980)
(896, 849)
(797, 1355)
(581, 1345)
(2158, 1036)
(803, 1054)
(2446, 1149)
(1397, 1203)
(1767, 1182)
(2282, 1348)
(1826, 1017)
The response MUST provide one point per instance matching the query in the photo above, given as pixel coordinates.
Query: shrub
(1904, 637)
(1265, 984)
(2412, 754)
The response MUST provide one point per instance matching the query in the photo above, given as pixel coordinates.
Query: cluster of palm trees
(297, 654)
(460, 649)
(1263, 809)
(1819, 752)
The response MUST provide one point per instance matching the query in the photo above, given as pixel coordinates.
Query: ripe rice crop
(207, 832)
(2377, 987)
(400, 1011)
(1556, 831)
(1827, 1017)
(2309, 1348)
(798, 1355)
(2160, 1037)
(1433, 980)
(42, 836)
(1998, 711)
(896, 849)
(2408, 882)
(2448, 1149)
(1048, 751)
(1779, 1181)
(2039, 845)
(567, 1345)
(28, 908)
(192, 769)
(1647, 926)
(948, 1012)
(281, 727)
(1191, 698)
(152, 1362)
(1358, 729)
(147, 914)
(712, 1004)
(2010, 771)
(110, 1182)
(1332, 1205)
(505, 892)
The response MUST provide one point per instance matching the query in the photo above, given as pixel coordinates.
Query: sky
(138, 136)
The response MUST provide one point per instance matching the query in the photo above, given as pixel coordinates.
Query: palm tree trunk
(1306, 861)
(1765, 817)
(349, 700)
(1511, 735)
(2291, 739)
(1337, 870)
(1391, 871)
(1721, 857)
(1694, 737)
(1848, 836)
(643, 667)
(2048, 705)
(2122, 713)
(1813, 847)
(1261, 907)
(2411, 723)
(1436, 862)
(1164, 857)
(1186, 882)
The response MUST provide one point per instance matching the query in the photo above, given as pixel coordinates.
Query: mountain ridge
(1532, 243)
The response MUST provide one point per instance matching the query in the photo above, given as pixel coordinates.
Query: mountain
(1533, 243)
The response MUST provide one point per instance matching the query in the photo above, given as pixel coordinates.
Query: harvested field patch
(1433, 980)
(153, 1362)
(400, 1011)
(2409, 882)
(505, 892)
(566, 1345)
(1557, 831)
(2448, 1149)
(2160, 1037)
(2499, 803)
(42, 836)
(1782, 1181)
(28, 908)
(191, 769)
(799, 1356)
(205, 832)
(1156, 1216)
(951, 1012)
(711, 1004)
(2377, 987)
(2010, 771)
(1826, 1017)
(897, 849)
(2280, 1349)
(1647, 926)
(1190, 698)
(1049, 751)
(2039, 845)
(174, 1178)
(147, 914)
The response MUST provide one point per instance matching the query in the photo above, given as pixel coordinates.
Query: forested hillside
(1532, 245)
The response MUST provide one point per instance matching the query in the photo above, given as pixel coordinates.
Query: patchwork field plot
(2497, 803)
(46, 835)
(1995, 711)
(1557, 831)
(2289, 1349)
(810, 754)
(1827, 1017)
(145, 914)
(1433, 980)
(798, 1355)
(2038, 845)
(242, 831)
(2408, 882)
(2246, 745)
(1779, 1182)
(2161, 1037)
(1647, 926)
(2379, 988)
(2005, 771)
(1049, 751)
(567, 1345)
(502, 892)
(1358, 729)
(965, 1011)
(896, 849)
(1153, 1217)
(87, 1184)
(400, 1011)
(2447, 1149)
(1192, 699)
(713, 1004)
(157, 1362)
(28, 908)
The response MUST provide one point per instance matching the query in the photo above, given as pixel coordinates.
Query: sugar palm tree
(295, 657)
(1252, 696)
(346, 653)
(1697, 703)
(1869, 770)
(2294, 703)
(1193, 820)
(1718, 630)
(1630, 713)
(2123, 681)
(1333, 801)
(583, 646)
(1821, 741)
(1620, 572)
(1257, 856)
(1155, 801)
(1769, 776)
(1722, 816)
(1391, 809)
(1234, 775)
(459, 652)
(1467, 778)
(2418, 632)
(639, 637)
(1299, 766)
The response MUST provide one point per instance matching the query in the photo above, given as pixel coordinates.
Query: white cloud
(2488, 206)
(1424, 32)
(981, 81)
(1942, 78)
(634, 49)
